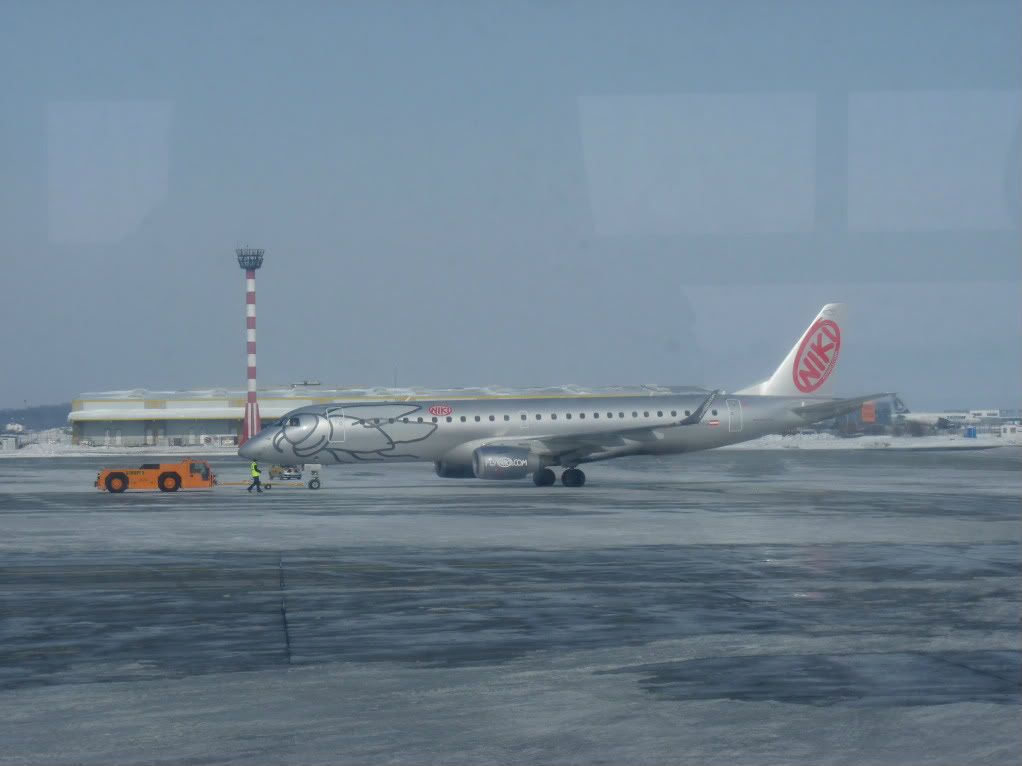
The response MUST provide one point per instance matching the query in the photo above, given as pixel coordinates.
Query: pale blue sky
(511, 193)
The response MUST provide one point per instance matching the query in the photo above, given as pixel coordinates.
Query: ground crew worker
(255, 478)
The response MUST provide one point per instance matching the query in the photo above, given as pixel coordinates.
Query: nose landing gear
(314, 474)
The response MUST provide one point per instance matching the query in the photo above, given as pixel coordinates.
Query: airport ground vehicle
(286, 472)
(294, 473)
(166, 477)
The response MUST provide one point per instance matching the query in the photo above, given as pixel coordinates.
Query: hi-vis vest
(255, 470)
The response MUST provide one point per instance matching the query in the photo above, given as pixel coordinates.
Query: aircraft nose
(252, 448)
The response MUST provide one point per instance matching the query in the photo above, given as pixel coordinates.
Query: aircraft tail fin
(809, 367)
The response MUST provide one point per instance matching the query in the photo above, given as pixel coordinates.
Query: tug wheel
(116, 482)
(169, 482)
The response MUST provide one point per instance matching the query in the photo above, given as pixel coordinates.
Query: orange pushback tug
(166, 477)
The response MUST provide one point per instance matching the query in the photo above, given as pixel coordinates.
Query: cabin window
(674, 413)
(462, 418)
(524, 416)
(714, 412)
(449, 418)
(477, 418)
(581, 416)
(491, 418)
(553, 416)
(508, 417)
(687, 412)
(538, 416)
(568, 416)
(635, 414)
(419, 420)
(434, 420)
(596, 414)
(610, 414)
(659, 413)
(620, 414)
(645, 413)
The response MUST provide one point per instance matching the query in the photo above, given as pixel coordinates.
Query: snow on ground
(833, 441)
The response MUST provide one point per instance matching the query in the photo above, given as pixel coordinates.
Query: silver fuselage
(448, 431)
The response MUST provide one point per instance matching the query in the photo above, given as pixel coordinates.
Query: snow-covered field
(833, 442)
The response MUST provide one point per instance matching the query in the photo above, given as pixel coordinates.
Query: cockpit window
(293, 422)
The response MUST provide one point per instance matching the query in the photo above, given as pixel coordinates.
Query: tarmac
(727, 607)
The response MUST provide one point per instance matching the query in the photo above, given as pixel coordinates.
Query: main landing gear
(544, 477)
(572, 477)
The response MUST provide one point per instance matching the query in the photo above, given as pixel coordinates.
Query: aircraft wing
(813, 413)
(602, 445)
(584, 448)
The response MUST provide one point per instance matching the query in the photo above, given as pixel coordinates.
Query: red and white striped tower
(250, 259)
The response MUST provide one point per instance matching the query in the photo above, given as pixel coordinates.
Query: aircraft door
(734, 415)
(339, 423)
(523, 419)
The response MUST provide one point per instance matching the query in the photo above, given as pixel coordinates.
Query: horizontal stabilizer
(813, 413)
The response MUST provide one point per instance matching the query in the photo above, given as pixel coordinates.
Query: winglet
(696, 416)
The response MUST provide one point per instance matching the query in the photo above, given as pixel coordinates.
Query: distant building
(985, 414)
(211, 417)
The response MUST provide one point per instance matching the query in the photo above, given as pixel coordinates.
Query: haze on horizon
(517, 194)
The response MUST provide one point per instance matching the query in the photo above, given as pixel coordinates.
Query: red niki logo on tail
(817, 356)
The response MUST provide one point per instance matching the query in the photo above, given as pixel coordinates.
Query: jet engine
(503, 463)
(453, 469)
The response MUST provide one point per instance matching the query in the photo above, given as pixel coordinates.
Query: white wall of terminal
(168, 418)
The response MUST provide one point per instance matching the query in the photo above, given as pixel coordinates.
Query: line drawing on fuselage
(382, 427)
(509, 437)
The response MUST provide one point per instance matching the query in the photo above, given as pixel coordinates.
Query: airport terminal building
(140, 417)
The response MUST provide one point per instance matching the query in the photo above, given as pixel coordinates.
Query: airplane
(505, 438)
(942, 420)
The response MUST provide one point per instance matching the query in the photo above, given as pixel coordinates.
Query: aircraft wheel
(573, 477)
(314, 484)
(544, 477)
